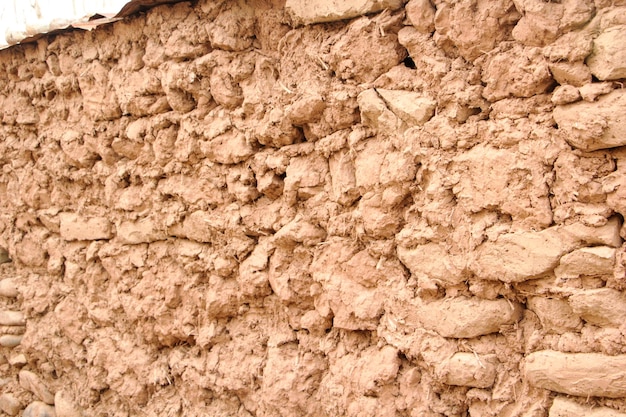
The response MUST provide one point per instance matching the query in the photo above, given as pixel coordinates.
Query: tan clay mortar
(317, 208)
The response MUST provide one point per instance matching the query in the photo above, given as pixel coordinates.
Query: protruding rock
(228, 148)
(590, 92)
(517, 257)
(12, 318)
(603, 307)
(10, 340)
(432, 261)
(141, 231)
(375, 114)
(468, 370)
(9, 404)
(39, 409)
(76, 227)
(565, 94)
(518, 72)
(564, 407)
(593, 261)
(31, 382)
(65, 406)
(4, 256)
(343, 179)
(464, 317)
(299, 231)
(319, 11)
(573, 73)
(413, 108)
(8, 288)
(608, 59)
(18, 360)
(306, 109)
(421, 14)
(555, 315)
(581, 374)
(597, 125)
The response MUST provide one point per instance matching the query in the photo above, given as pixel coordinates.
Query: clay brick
(580, 374)
(77, 227)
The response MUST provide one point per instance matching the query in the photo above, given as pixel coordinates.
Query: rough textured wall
(360, 208)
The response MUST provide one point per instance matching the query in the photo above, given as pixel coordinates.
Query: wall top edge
(23, 22)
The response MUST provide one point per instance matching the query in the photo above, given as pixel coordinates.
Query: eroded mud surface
(378, 208)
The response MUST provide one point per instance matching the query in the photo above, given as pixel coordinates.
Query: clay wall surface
(317, 208)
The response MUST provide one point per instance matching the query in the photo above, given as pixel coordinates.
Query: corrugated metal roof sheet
(22, 21)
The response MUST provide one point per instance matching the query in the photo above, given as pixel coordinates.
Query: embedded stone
(228, 148)
(8, 288)
(64, 405)
(4, 256)
(580, 374)
(421, 14)
(516, 257)
(141, 231)
(375, 114)
(299, 231)
(464, 317)
(573, 73)
(9, 404)
(31, 382)
(595, 125)
(468, 370)
(608, 59)
(564, 407)
(76, 227)
(39, 409)
(12, 318)
(432, 261)
(10, 340)
(603, 307)
(565, 94)
(555, 315)
(319, 11)
(413, 108)
(593, 261)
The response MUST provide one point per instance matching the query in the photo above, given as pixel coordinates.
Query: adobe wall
(360, 208)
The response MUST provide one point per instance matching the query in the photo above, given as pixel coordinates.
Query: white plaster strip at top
(21, 20)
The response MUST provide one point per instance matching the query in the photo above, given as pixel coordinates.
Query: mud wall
(360, 208)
